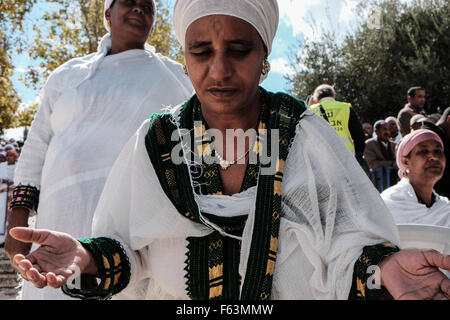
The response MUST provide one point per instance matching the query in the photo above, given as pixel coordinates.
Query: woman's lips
(435, 167)
(135, 19)
(222, 92)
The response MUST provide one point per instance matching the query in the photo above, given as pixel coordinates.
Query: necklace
(224, 164)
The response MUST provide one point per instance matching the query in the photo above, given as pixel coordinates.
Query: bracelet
(25, 197)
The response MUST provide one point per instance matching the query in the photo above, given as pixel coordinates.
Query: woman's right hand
(59, 257)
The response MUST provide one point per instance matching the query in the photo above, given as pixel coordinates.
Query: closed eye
(201, 53)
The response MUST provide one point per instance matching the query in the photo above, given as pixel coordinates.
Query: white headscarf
(263, 15)
(108, 5)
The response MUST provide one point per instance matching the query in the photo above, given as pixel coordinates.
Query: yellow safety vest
(338, 114)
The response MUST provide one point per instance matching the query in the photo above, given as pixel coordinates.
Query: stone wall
(8, 278)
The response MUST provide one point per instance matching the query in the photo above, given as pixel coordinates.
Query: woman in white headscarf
(284, 213)
(90, 107)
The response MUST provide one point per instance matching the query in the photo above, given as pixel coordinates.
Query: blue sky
(295, 26)
(300, 20)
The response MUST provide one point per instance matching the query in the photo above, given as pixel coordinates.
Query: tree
(317, 62)
(11, 19)
(66, 29)
(373, 68)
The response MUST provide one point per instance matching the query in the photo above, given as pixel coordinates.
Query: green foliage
(11, 17)
(26, 116)
(373, 68)
(66, 29)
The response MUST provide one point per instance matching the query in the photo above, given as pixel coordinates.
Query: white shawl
(330, 211)
(402, 201)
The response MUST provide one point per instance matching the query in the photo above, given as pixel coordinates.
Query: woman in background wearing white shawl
(7, 169)
(307, 224)
(421, 162)
(90, 108)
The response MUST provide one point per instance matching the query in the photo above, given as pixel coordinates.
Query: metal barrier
(384, 176)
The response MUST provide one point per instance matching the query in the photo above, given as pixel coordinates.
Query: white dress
(402, 202)
(330, 211)
(90, 108)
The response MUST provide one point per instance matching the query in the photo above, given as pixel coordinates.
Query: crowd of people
(385, 136)
(285, 213)
(9, 155)
(421, 195)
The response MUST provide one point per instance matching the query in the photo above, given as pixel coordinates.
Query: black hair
(412, 91)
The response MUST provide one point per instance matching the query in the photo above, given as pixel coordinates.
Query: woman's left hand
(415, 275)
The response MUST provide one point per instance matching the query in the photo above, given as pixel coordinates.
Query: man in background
(380, 153)
(416, 102)
(368, 130)
(416, 122)
(395, 135)
(343, 119)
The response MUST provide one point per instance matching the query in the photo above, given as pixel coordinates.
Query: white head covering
(108, 5)
(9, 146)
(389, 119)
(263, 15)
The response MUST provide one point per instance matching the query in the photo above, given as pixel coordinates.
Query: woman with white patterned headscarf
(89, 109)
(284, 213)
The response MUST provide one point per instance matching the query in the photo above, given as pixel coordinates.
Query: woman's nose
(220, 67)
(138, 10)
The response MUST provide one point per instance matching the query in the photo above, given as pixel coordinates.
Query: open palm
(414, 275)
(59, 257)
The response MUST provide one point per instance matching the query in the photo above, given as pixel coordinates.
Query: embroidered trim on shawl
(206, 272)
(222, 266)
(371, 256)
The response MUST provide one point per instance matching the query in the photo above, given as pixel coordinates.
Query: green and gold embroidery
(212, 261)
(113, 269)
(371, 256)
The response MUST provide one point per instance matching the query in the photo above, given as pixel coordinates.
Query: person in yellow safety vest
(342, 118)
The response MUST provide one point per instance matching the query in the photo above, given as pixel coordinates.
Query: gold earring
(185, 70)
(266, 67)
